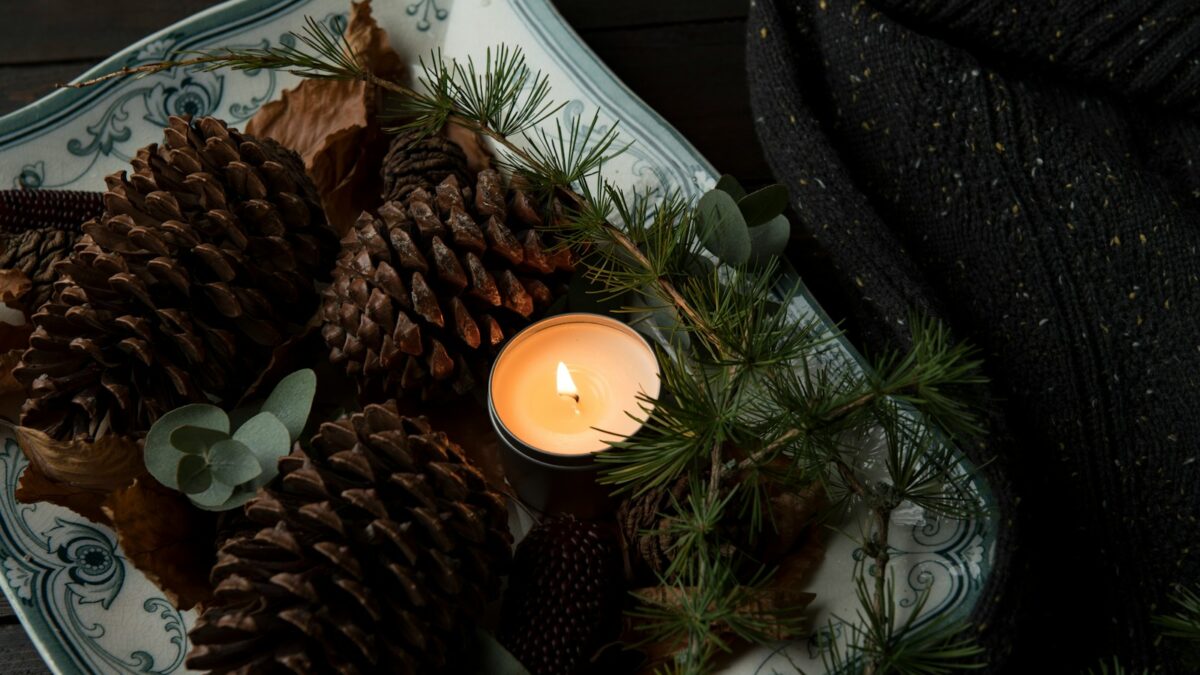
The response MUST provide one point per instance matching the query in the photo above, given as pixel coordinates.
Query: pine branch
(1184, 624)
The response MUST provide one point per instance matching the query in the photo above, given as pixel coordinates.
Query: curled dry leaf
(473, 146)
(13, 285)
(166, 538)
(14, 337)
(35, 487)
(108, 463)
(334, 125)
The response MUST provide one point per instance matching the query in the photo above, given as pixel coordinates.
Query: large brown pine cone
(37, 229)
(425, 291)
(378, 548)
(203, 261)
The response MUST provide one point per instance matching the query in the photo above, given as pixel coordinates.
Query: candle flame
(566, 386)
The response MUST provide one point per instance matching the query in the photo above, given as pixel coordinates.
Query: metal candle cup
(560, 391)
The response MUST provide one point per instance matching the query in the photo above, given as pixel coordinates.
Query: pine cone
(644, 522)
(37, 229)
(203, 261)
(377, 549)
(416, 161)
(425, 292)
(563, 601)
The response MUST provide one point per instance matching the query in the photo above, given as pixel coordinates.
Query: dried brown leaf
(472, 144)
(334, 126)
(108, 463)
(34, 486)
(13, 285)
(8, 361)
(166, 538)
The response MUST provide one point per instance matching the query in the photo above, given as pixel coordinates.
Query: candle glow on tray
(567, 384)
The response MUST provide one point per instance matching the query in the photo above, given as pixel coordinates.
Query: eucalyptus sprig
(758, 396)
(198, 450)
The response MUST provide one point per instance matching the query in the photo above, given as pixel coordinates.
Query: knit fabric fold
(1027, 176)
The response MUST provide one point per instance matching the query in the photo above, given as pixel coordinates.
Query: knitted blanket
(1024, 171)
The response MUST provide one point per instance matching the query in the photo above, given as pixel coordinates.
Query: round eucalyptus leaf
(161, 458)
(769, 239)
(762, 205)
(232, 463)
(266, 437)
(493, 659)
(240, 495)
(730, 185)
(291, 401)
(722, 228)
(192, 475)
(216, 495)
(192, 440)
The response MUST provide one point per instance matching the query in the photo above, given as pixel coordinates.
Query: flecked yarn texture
(1024, 170)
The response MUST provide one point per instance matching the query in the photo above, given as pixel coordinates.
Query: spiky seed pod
(204, 260)
(426, 290)
(31, 209)
(378, 547)
(417, 161)
(563, 600)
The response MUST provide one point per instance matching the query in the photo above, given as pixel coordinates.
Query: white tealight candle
(568, 384)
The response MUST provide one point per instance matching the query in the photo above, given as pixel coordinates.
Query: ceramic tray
(85, 607)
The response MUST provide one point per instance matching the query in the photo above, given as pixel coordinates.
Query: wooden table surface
(683, 57)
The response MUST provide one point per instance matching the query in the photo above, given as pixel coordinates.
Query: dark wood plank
(589, 14)
(6, 610)
(22, 85)
(17, 655)
(40, 31)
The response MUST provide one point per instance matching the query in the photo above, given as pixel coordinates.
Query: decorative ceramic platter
(85, 607)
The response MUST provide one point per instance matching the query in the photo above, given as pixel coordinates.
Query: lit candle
(561, 391)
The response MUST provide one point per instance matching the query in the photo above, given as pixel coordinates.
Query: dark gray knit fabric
(1025, 171)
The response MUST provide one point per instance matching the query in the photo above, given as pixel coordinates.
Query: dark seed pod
(25, 210)
(563, 601)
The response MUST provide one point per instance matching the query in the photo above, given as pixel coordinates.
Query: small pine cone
(416, 161)
(204, 260)
(379, 546)
(563, 601)
(37, 229)
(644, 522)
(424, 292)
(649, 541)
